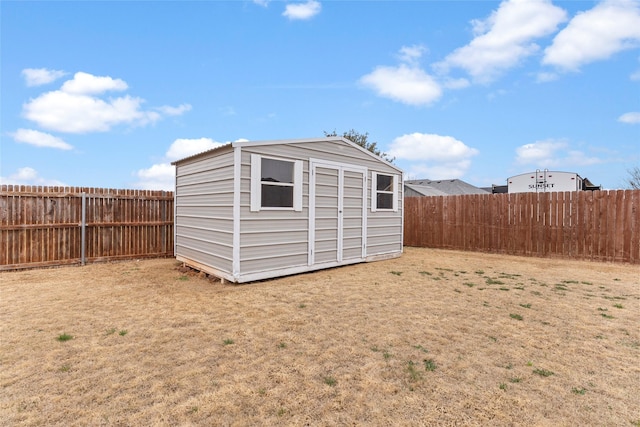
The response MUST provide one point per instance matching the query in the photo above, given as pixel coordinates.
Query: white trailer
(544, 181)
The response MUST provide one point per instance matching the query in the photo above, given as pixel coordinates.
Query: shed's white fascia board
(237, 180)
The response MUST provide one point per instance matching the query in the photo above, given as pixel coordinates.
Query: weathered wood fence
(598, 225)
(44, 226)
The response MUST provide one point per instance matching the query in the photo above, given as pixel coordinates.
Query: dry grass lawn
(432, 338)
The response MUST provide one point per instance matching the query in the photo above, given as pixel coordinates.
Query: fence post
(83, 227)
(163, 209)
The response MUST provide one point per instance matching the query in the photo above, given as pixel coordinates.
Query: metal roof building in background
(441, 187)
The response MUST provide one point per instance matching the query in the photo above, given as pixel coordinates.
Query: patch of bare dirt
(433, 337)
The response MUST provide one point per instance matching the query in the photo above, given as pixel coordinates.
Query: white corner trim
(237, 177)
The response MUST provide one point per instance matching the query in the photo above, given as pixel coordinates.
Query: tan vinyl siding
(326, 215)
(352, 253)
(220, 177)
(271, 239)
(205, 235)
(384, 228)
(202, 257)
(204, 210)
(266, 262)
(352, 221)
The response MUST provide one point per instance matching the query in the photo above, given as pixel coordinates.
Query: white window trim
(256, 184)
(374, 192)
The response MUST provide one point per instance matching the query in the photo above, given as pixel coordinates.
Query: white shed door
(337, 213)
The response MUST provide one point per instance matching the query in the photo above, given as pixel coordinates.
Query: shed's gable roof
(220, 149)
(339, 140)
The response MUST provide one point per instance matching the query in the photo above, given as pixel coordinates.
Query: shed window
(384, 194)
(275, 183)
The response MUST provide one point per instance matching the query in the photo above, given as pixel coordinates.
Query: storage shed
(254, 210)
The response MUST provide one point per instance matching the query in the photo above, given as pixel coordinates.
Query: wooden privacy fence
(589, 225)
(44, 226)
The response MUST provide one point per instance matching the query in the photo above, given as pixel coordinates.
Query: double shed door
(337, 213)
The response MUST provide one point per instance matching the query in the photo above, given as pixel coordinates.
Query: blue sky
(107, 94)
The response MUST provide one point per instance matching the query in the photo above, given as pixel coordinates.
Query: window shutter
(256, 175)
(297, 186)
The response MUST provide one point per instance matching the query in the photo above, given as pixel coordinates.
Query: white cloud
(451, 170)
(263, 3)
(302, 11)
(181, 148)
(411, 54)
(174, 111)
(540, 151)
(596, 34)
(158, 177)
(41, 76)
(630, 118)
(433, 156)
(635, 76)
(71, 113)
(406, 84)
(426, 146)
(545, 77)
(28, 176)
(450, 83)
(75, 108)
(505, 38)
(496, 93)
(88, 84)
(552, 153)
(39, 139)
(161, 176)
(227, 111)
